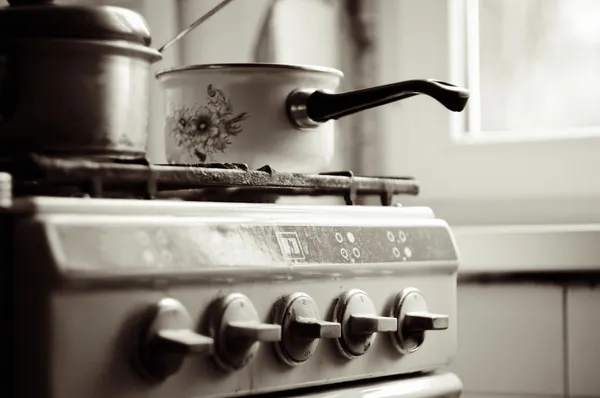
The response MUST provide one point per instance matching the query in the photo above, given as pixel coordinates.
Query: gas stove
(137, 280)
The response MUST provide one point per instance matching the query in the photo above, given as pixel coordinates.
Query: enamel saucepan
(280, 115)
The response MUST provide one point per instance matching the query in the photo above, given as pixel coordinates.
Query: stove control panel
(237, 330)
(210, 301)
(302, 328)
(414, 319)
(168, 339)
(196, 247)
(357, 314)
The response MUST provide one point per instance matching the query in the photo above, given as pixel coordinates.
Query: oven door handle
(446, 385)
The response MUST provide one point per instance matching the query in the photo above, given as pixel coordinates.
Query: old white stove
(124, 297)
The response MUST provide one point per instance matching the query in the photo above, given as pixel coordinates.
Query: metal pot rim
(115, 46)
(253, 67)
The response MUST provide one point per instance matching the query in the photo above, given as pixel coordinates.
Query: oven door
(444, 385)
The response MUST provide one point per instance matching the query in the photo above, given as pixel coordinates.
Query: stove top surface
(74, 177)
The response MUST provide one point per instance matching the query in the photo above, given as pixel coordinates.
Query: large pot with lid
(74, 80)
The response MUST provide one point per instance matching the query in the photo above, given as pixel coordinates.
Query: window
(533, 66)
(528, 147)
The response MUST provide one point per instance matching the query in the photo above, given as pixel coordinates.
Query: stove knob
(414, 320)
(360, 323)
(302, 327)
(237, 330)
(168, 340)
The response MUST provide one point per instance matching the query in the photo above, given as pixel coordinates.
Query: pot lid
(28, 19)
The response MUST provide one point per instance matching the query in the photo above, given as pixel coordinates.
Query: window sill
(511, 209)
(589, 135)
(573, 248)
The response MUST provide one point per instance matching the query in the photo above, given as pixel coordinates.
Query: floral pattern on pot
(207, 128)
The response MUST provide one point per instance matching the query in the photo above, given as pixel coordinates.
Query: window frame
(470, 178)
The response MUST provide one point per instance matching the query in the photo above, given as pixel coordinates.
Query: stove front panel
(88, 282)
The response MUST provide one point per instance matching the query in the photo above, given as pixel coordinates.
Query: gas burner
(59, 176)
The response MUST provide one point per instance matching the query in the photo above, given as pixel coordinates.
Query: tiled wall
(528, 341)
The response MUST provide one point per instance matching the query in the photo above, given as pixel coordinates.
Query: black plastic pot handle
(321, 106)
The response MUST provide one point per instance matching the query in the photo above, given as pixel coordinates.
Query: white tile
(510, 339)
(583, 336)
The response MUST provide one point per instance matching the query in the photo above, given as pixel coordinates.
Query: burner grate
(45, 175)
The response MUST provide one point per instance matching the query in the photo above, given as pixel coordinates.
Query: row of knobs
(235, 331)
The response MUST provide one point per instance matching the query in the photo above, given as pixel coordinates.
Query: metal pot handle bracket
(307, 108)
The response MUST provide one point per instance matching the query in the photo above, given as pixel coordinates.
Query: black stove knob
(360, 323)
(302, 328)
(414, 319)
(168, 340)
(236, 327)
